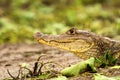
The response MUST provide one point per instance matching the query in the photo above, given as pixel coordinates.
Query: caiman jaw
(66, 44)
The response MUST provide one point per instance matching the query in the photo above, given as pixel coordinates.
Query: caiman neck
(105, 44)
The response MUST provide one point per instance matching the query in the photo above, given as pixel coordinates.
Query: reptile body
(85, 44)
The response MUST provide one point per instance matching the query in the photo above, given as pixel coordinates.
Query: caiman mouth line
(60, 41)
(64, 41)
(56, 44)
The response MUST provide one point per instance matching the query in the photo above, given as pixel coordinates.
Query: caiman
(85, 44)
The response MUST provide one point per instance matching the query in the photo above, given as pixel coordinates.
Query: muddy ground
(12, 55)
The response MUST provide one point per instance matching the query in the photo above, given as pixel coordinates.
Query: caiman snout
(38, 35)
(41, 36)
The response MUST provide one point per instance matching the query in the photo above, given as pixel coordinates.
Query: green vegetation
(20, 19)
(106, 60)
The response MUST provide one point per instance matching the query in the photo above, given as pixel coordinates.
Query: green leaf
(102, 77)
(60, 78)
(115, 67)
(44, 76)
(79, 68)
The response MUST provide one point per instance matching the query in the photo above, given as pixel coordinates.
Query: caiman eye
(72, 31)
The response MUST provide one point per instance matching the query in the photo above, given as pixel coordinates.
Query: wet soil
(12, 55)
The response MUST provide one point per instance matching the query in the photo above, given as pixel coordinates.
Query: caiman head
(78, 41)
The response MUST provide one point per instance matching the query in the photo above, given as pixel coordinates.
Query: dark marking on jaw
(57, 41)
(61, 41)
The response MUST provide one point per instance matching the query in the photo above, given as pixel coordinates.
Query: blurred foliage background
(20, 19)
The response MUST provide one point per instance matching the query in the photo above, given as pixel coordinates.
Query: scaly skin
(83, 43)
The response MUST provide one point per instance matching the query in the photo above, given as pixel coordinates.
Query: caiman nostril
(37, 35)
